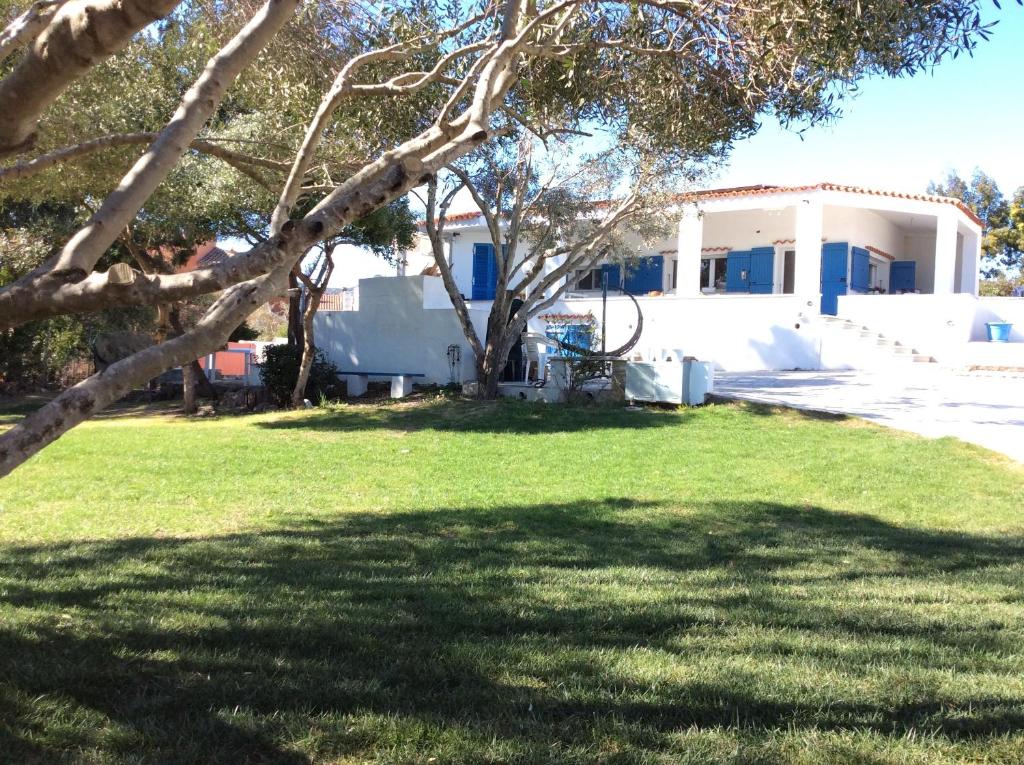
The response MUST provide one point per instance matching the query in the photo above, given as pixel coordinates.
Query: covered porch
(826, 243)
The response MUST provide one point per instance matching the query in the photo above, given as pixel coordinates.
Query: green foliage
(280, 371)
(1003, 220)
(244, 332)
(999, 286)
(33, 355)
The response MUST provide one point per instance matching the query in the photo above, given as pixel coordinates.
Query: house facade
(764, 277)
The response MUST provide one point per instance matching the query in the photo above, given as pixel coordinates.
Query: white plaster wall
(921, 248)
(393, 332)
(744, 229)
(937, 325)
(736, 332)
(999, 309)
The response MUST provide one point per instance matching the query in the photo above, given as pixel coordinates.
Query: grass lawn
(456, 582)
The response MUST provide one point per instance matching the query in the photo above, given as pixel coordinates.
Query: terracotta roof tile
(765, 190)
(762, 190)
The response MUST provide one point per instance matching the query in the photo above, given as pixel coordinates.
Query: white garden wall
(393, 331)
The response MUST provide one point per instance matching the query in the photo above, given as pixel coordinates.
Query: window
(712, 273)
(588, 280)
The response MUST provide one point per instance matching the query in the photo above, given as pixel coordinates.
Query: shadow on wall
(532, 628)
(788, 349)
(501, 416)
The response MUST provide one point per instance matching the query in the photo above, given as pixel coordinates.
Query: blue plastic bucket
(998, 331)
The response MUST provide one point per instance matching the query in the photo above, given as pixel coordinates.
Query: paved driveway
(985, 409)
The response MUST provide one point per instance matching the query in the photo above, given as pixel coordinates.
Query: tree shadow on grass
(505, 629)
(502, 416)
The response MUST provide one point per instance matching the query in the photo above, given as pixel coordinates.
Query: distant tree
(1002, 243)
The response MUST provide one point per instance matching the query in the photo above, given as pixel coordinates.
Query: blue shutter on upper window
(485, 272)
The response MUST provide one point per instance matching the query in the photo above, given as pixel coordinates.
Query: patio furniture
(401, 382)
(536, 354)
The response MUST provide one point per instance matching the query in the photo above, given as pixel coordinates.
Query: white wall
(937, 325)
(863, 228)
(393, 332)
(736, 332)
(999, 309)
(921, 248)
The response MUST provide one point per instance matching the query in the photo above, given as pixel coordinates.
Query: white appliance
(669, 382)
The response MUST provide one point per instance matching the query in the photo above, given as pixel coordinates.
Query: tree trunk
(188, 379)
(308, 350)
(194, 379)
(314, 293)
(204, 387)
(295, 333)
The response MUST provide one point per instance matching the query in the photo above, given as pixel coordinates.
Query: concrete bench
(401, 382)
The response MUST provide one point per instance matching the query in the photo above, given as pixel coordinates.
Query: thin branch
(28, 168)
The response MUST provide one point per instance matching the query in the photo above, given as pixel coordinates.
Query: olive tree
(549, 213)
(450, 77)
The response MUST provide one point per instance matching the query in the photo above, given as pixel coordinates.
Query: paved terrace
(983, 408)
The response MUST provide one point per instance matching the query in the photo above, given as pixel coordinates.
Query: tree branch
(28, 168)
(81, 35)
(26, 27)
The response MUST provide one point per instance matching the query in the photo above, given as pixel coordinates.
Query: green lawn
(456, 582)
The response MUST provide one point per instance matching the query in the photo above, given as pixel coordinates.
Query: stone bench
(401, 382)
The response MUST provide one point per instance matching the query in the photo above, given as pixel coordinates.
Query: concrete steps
(874, 348)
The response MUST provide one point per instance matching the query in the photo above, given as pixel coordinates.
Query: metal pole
(604, 308)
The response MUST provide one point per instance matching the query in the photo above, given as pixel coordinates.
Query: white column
(945, 253)
(971, 261)
(807, 265)
(691, 239)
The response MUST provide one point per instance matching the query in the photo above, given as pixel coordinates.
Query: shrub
(280, 370)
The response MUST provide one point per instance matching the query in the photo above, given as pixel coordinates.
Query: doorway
(788, 272)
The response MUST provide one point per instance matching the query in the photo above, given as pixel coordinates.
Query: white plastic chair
(536, 354)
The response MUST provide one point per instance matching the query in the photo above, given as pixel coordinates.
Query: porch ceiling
(915, 223)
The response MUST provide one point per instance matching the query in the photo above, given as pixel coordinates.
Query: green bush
(280, 370)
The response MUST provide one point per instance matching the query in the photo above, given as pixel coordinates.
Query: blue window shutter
(762, 270)
(485, 272)
(902, 276)
(834, 256)
(656, 273)
(614, 272)
(737, 271)
(645, 275)
(632, 282)
(860, 269)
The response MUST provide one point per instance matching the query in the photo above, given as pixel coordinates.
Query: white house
(752, 280)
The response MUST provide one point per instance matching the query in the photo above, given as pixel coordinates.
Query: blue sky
(900, 133)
